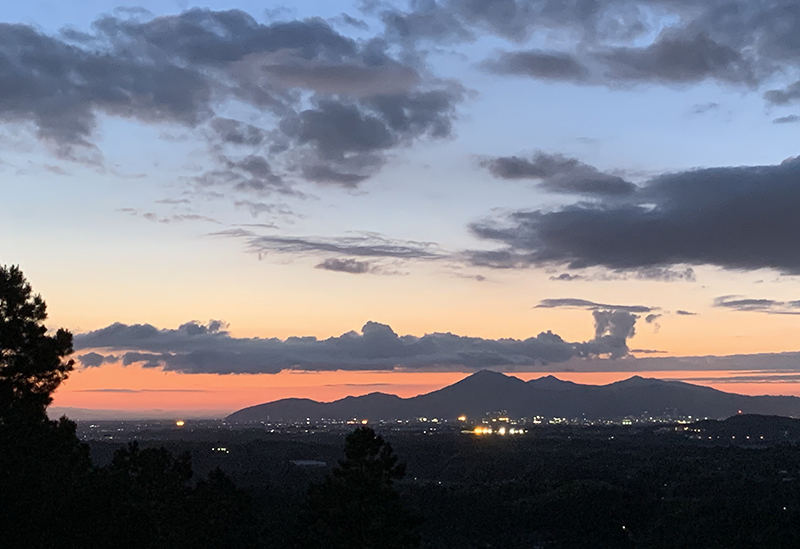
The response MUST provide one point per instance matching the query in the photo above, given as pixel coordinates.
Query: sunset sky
(229, 204)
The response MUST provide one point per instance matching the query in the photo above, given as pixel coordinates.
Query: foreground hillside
(570, 487)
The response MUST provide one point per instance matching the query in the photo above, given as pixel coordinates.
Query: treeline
(52, 496)
(568, 488)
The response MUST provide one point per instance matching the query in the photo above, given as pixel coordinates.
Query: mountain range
(490, 392)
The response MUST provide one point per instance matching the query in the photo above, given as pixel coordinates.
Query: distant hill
(89, 414)
(486, 392)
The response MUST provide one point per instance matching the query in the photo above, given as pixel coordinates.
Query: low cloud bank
(209, 348)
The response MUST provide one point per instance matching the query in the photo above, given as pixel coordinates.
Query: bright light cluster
(484, 430)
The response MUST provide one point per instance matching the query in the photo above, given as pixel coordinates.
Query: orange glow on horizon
(134, 388)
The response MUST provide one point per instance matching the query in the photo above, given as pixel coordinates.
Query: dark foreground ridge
(486, 392)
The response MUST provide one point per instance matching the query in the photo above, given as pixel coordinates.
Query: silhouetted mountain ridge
(487, 392)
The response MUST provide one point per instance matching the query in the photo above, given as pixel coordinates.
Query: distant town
(497, 424)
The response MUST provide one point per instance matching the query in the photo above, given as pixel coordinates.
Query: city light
(486, 430)
(180, 423)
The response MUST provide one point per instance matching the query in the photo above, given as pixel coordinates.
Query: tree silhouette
(145, 499)
(32, 364)
(43, 465)
(51, 497)
(357, 506)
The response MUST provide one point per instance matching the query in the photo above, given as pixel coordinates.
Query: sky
(233, 202)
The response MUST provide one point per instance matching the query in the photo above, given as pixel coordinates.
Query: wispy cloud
(769, 306)
(573, 303)
(120, 390)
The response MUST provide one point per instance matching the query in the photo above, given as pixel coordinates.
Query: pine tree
(357, 507)
(32, 363)
(43, 465)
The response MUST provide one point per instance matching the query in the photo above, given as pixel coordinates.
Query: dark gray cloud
(768, 306)
(181, 69)
(566, 277)
(559, 174)
(702, 108)
(352, 266)
(740, 218)
(790, 119)
(788, 95)
(675, 58)
(352, 21)
(209, 348)
(424, 20)
(194, 348)
(239, 133)
(59, 86)
(346, 79)
(652, 318)
(685, 313)
(336, 129)
(540, 166)
(618, 42)
(666, 274)
(253, 172)
(671, 59)
(573, 303)
(612, 330)
(515, 20)
(538, 64)
(93, 360)
(325, 174)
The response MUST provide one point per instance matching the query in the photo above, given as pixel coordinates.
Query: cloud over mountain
(209, 348)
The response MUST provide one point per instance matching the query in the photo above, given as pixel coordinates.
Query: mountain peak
(635, 380)
(550, 382)
(483, 378)
(487, 374)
